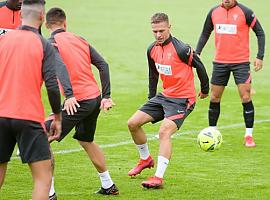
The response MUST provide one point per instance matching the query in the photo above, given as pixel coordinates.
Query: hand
(55, 129)
(258, 64)
(71, 105)
(106, 104)
(202, 95)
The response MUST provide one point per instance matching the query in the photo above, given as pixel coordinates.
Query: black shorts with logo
(84, 120)
(30, 137)
(175, 109)
(221, 73)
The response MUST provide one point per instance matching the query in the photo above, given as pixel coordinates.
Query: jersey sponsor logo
(4, 31)
(164, 69)
(226, 29)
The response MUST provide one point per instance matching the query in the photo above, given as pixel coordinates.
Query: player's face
(161, 31)
(16, 4)
(228, 3)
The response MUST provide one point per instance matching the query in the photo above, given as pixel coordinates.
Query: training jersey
(78, 57)
(231, 27)
(9, 19)
(172, 61)
(26, 60)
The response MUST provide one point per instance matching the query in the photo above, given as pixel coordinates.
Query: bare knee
(133, 124)
(245, 98)
(215, 97)
(164, 134)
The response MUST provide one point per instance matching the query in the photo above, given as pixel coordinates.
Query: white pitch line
(152, 137)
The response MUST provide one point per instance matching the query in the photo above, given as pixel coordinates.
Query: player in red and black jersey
(231, 22)
(10, 15)
(26, 61)
(79, 56)
(172, 61)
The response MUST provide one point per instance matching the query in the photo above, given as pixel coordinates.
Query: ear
(65, 25)
(46, 25)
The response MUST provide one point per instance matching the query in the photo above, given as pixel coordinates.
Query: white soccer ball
(209, 139)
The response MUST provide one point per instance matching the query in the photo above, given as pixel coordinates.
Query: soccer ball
(209, 139)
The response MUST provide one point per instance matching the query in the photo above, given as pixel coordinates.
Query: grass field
(120, 30)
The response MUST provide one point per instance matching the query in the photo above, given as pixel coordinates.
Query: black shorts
(175, 109)
(84, 121)
(30, 137)
(221, 73)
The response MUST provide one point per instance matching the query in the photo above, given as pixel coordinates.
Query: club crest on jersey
(226, 29)
(164, 69)
(235, 16)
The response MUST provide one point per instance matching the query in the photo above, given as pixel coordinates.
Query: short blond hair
(159, 17)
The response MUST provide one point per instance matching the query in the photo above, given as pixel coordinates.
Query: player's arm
(50, 79)
(153, 75)
(104, 74)
(206, 32)
(254, 23)
(202, 74)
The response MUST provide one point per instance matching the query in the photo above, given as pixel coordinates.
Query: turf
(120, 30)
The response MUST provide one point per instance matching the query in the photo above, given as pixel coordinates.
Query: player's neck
(33, 24)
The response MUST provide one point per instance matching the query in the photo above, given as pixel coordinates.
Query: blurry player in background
(10, 15)
(78, 56)
(173, 61)
(23, 68)
(231, 22)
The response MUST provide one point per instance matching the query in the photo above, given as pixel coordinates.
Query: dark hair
(159, 17)
(55, 16)
(31, 2)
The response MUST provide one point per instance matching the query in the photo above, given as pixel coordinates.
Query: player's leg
(214, 106)
(176, 110)
(242, 78)
(3, 170)
(167, 129)
(220, 78)
(7, 144)
(34, 149)
(150, 112)
(68, 123)
(85, 131)
(42, 176)
(98, 159)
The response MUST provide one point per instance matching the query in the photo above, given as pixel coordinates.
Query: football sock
(249, 132)
(105, 179)
(214, 127)
(213, 113)
(143, 150)
(161, 166)
(248, 112)
(52, 191)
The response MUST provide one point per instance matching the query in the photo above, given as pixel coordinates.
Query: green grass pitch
(120, 31)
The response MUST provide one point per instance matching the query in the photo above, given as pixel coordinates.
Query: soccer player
(10, 15)
(231, 22)
(78, 56)
(172, 60)
(23, 68)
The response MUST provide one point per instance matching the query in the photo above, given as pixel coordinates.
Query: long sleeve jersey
(173, 62)
(78, 56)
(26, 61)
(231, 29)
